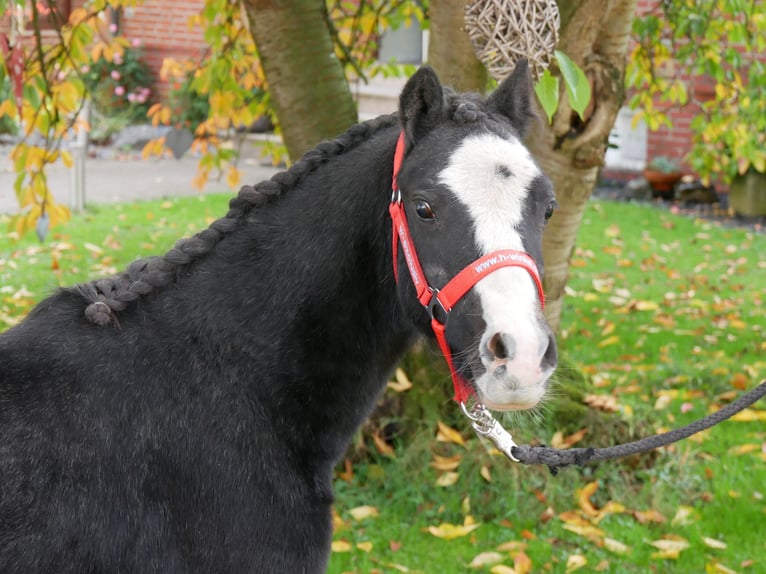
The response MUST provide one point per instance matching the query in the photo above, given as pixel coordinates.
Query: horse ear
(513, 98)
(421, 104)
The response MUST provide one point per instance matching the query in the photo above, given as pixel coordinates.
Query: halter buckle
(488, 427)
(436, 309)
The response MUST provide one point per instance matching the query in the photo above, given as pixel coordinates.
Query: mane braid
(110, 295)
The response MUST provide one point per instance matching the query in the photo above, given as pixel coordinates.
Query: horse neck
(309, 278)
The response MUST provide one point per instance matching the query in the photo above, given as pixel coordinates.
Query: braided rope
(504, 31)
(556, 459)
(110, 295)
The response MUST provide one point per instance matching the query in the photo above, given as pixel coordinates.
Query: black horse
(186, 415)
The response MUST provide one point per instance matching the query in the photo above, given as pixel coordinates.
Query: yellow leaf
(337, 522)
(402, 382)
(341, 546)
(502, 569)
(649, 516)
(446, 463)
(583, 499)
(66, 158)
(685, 515)
(590, 532)
(615, 546)
(669, 548)
(382, 446)
(364, 546)
(522, 563)
(749, 415)
(575, 562)
(744, 449)
(448, 434)
(613, 340)
(512, 546)
(485, 474)
(718, 568)
(610, 507)
(713, 543)
(485, 559)
(447, 479)
(77, 15)
(449, 531)
(646, 306)
(362, 512)
(233, 177)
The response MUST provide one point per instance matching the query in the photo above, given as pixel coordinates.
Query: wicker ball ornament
(504, 31)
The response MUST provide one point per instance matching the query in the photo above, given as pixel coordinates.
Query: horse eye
(549, 211)
(424, 211)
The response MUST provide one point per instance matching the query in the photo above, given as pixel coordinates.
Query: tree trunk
(595, 35)
(305, 79)
(450, 52)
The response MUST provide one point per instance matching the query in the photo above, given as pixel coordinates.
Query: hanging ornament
(504, 31)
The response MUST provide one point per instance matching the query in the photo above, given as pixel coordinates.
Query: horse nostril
(502, 346)
(550, 356)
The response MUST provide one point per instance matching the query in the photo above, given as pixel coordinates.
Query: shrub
(121, 87)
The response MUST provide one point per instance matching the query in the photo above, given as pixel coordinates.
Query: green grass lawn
(665, 315)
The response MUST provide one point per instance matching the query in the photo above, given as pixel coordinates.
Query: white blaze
(491, 177)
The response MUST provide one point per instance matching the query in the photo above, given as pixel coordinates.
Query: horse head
(473, 198)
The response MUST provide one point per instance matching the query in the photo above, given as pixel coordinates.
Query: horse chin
(497, 396)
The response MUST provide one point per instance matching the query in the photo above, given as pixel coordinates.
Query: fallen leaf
(446, 463)
(381, 445)
(749, 415)
(744, 449)
(522, 564)
(485, 559)
(685, 515)
(713, 543)
(669, 548)
(613, 340)
(575, 562)
(348, 471)
(502, 569)
(512, 546)
(364, 546)
(583, 498)
(646, 306)
(450, 531)
(485, 474)
(341, 546)
(718, 568)
(402, 382)
(363, 512)
(447, 479)
(337, 522)
(448, 434)
(589, 531)
(615, 546)
(606, 403)
(649, 516)
(95, 249)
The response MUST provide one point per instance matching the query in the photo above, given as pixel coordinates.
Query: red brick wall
(161, 27)
(674, 142)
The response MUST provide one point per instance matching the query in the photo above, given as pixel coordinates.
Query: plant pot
(662, 183)
(747, 194)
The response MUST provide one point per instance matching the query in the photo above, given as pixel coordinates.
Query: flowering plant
(121, 86)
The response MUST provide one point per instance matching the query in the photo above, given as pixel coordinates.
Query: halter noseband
(439, 302)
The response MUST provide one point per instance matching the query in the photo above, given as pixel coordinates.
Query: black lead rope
(556, 459)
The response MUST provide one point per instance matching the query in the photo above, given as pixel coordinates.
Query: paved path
(112, 180)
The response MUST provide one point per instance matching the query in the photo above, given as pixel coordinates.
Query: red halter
(446, 298)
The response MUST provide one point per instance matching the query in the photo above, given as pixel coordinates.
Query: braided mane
(108, 296)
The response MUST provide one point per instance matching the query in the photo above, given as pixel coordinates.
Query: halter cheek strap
(439, 303)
